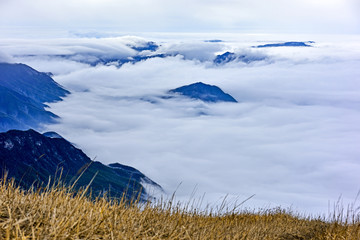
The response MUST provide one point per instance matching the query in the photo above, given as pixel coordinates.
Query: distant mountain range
(31, 158)
(121, 61)
(286, 44)
(203, 92)
(24, 93)
(138, 50)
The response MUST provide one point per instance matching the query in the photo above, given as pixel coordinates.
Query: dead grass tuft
(56, 213)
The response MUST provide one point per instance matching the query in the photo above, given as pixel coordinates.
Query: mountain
(106, 60)
(204, 92)
(20, 112)
(30, 83)
(133, 59)
(243, 57)
(23, 94)
(31, 158)
(224, 58)
(286, 44)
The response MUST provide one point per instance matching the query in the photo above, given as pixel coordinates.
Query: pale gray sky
(271, 16)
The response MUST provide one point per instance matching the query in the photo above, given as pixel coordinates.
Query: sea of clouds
(292, 139)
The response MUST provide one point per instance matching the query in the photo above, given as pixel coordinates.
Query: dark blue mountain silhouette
(95, 60)
(285, 44)
(230, 57)
(204, 92)
(23, 94)
(31, 158)
(225, 58)
(27, 81)
(134, 59)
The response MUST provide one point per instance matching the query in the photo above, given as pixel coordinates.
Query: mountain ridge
(24, 93)
(31, 158)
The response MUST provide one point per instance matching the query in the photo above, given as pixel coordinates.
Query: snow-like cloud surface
(292, 139)
(61, 56)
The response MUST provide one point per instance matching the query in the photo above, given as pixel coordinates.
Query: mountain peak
(204, 92)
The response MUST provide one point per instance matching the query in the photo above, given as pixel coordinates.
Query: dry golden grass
(55, 213)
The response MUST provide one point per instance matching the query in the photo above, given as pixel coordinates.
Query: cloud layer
(291, 140)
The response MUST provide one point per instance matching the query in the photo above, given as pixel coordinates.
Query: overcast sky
(274, 16)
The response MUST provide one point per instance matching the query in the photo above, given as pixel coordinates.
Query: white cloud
(61, 56)
(5, 57)
(108, 46)
(291, 139)
(193, 50)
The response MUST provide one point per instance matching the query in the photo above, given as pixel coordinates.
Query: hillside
(32, 159)
(56, 214)
(24, 93)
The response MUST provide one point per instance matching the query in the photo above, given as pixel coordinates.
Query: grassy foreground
(55, 213)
